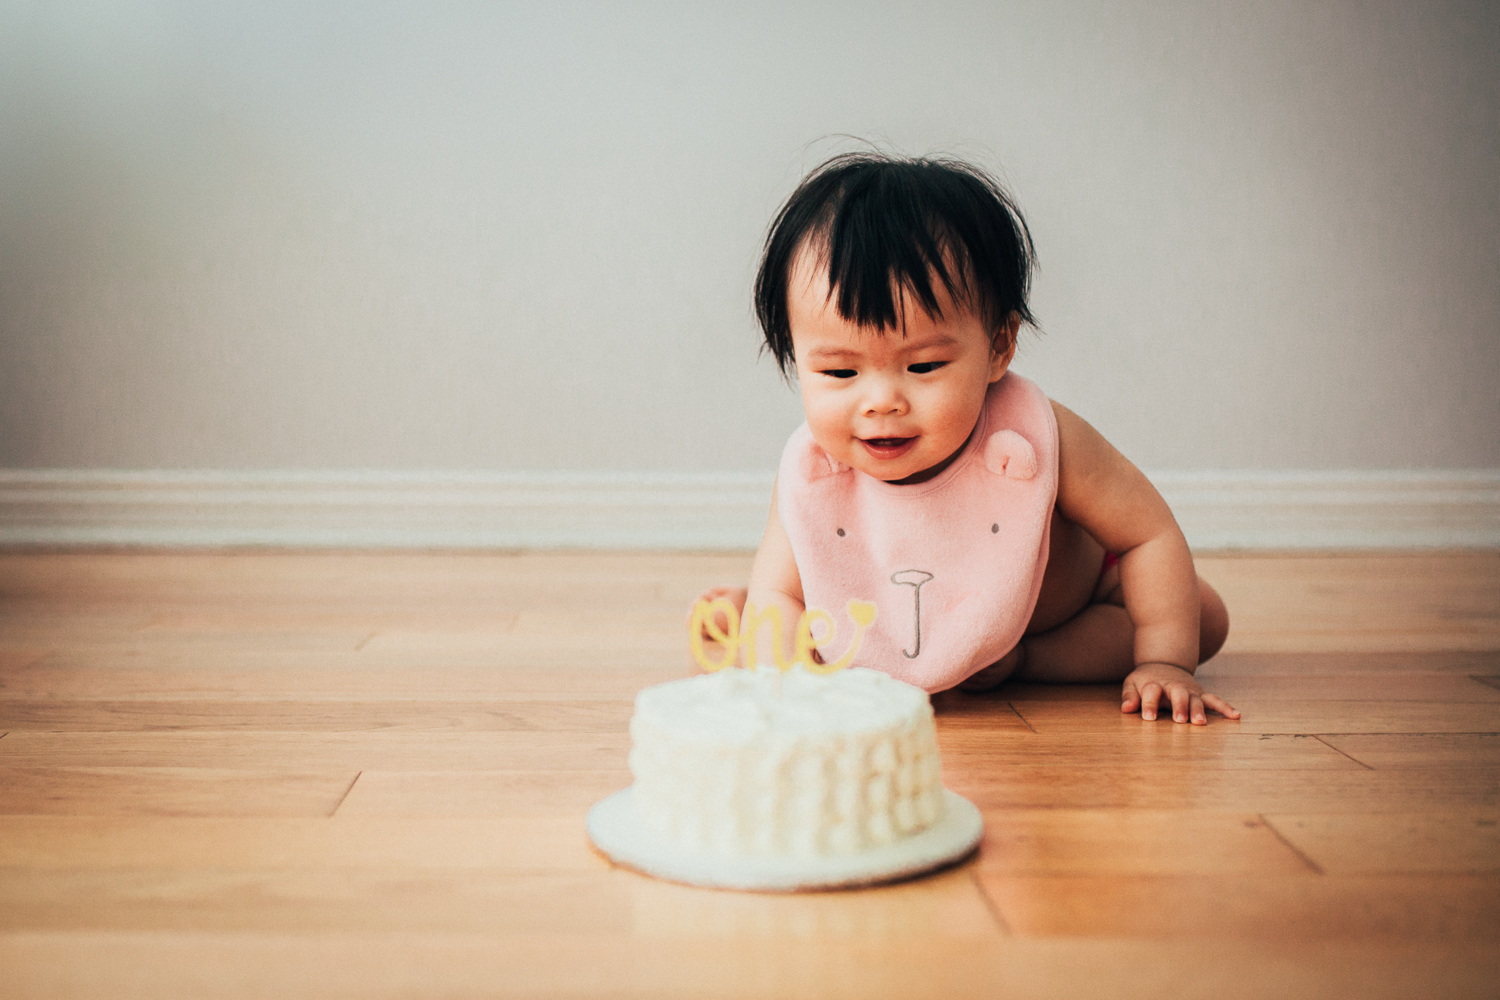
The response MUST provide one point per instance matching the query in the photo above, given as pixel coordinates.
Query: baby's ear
(815, 463)
(1008, 454)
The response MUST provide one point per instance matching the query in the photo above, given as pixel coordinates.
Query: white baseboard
(1381, 509)
(1217, 510)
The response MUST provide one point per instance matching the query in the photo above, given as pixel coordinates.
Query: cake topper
(742, 631)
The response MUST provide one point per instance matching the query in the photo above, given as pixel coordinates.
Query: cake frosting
(746, 763)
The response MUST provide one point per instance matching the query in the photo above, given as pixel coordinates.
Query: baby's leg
(1097, 645)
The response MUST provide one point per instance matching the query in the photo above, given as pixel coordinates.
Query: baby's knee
(1213, 622)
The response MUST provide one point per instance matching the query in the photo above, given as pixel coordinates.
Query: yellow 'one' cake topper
(743, 633)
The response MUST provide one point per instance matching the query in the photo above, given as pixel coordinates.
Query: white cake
(743, 763)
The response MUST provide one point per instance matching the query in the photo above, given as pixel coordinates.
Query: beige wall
(521, 236)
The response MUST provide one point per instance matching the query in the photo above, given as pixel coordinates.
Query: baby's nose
(884, 397)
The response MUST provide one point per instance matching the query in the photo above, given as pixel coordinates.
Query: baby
(998, 534)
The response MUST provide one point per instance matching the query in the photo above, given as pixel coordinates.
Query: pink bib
(954, 565)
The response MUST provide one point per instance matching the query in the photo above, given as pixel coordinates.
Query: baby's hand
(735, 596)
(1148, 683)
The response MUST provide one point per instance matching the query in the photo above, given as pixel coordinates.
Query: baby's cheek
(830, 432)
(954, 419)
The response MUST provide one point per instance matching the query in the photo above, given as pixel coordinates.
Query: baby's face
(895, 407)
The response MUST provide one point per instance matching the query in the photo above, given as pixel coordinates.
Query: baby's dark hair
(881, 223)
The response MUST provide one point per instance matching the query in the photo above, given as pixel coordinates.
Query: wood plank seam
(1312, 865)
(345, 796)
(1356, 760)
(989, 902)
(1023, 718)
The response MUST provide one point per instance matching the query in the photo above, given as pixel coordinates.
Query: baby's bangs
(894, 227)
(876, 269)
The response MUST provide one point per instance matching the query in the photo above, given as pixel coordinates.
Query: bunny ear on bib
(815, 463)
(1008, 454)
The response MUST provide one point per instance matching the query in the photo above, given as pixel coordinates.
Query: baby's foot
(995, 674)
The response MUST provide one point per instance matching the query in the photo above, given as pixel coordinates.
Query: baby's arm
(1100, 490)
(774, 583)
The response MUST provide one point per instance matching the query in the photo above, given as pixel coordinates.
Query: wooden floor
(365, 775)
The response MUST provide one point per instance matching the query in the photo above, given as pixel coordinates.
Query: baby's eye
(838, 372)
(923, 367)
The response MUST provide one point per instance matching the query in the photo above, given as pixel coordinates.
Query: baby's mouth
(887, 447)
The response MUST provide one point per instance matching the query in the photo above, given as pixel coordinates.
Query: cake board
(621, 837)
